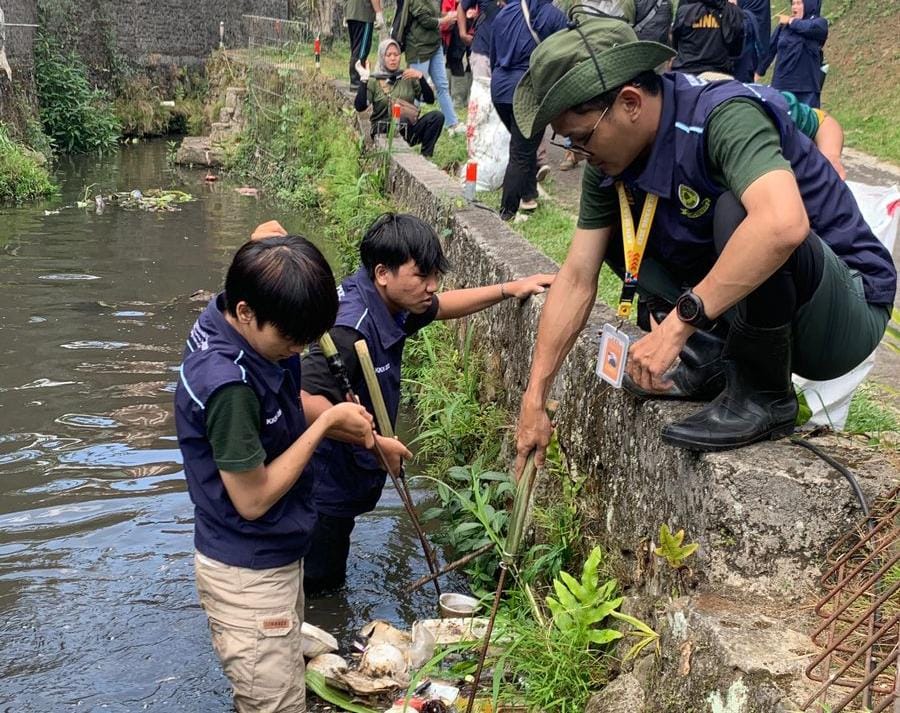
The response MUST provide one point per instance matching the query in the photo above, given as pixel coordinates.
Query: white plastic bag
(488, 137)
(830, 400)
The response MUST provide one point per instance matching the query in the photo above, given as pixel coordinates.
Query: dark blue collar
(655, 176)
(389, 327)
(272, 373)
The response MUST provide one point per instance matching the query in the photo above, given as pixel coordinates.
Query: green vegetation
(860, 69)
(294, 146)
(140, 112)
(22, 175)
(77, 117)
(670, 548)
(444, 384)
(553, 668)
(870, 413)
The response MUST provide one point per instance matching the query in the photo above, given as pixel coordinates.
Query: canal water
(97, 603)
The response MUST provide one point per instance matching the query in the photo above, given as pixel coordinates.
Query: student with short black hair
(391, 297)
(247, 451)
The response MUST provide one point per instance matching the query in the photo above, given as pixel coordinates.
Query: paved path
(565, 188)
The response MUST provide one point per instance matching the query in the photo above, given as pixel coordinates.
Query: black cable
(857, 491)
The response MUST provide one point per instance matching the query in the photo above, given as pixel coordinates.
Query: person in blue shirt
(751, 235)
(247, 451)
(391, 297)
(516, 31)
(798, 43)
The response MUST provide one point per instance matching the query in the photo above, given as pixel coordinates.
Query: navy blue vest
(349, 479)
(677, 171)
(215, 356)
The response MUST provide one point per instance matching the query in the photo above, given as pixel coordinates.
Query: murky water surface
(97, 603)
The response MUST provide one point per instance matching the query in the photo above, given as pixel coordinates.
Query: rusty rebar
(861, 615)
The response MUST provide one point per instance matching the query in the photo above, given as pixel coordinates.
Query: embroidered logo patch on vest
(690, 199)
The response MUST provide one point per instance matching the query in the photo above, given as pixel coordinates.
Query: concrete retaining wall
(153, 33)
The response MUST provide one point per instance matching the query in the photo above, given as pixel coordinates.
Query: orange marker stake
(471, 181)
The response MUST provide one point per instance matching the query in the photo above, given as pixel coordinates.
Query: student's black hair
(648, 80)
(287, 282)
(395, 238)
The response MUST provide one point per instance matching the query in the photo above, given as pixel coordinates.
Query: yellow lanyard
(634, 245)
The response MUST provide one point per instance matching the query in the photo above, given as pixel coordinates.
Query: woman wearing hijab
(798, 42)
(387, 86)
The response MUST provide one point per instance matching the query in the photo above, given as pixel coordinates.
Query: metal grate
(860, 632)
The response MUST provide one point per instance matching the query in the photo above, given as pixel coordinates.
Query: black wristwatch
(689, 309)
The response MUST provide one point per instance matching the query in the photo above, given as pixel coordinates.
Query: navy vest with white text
(217, 356)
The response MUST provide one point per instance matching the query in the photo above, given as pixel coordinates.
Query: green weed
(445, 386)
(22, 177)
(670, 548)
(77, 117)
(870, 413)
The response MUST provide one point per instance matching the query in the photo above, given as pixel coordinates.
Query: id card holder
(613, 355)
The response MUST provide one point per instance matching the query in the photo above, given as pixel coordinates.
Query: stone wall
(20, 40)
(147, 33)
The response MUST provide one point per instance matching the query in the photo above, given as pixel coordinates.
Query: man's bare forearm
(775, 226)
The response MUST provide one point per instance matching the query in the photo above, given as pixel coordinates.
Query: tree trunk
(325, 17)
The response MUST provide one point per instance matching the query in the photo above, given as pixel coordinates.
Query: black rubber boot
(758, 401)
(700, 375)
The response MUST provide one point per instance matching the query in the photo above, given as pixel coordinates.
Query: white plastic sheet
(830, 400)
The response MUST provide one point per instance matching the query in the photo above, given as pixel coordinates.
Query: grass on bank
(863, 55)
(23, 176)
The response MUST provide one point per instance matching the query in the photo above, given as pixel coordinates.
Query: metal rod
(446, 569)
(487, 638)
(386, 429)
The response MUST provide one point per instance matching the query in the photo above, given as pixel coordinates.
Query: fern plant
(671, 549)
(581, 607)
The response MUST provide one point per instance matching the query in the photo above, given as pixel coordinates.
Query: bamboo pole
(386, 429)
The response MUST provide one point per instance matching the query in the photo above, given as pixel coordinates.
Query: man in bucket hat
(756, 259)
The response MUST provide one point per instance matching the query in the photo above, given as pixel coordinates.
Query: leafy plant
(580, 607)
(671, 549)
(473, 512)
(77, 117)
(22, 177)
(455, 427)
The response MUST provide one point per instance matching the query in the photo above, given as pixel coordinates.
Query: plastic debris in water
(99, 202)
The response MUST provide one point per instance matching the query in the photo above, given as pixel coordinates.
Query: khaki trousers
(255, 617)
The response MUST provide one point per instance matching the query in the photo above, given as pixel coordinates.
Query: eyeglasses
(579, 151)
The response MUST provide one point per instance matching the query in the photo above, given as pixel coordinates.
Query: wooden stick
(386, 429)
(446, 569)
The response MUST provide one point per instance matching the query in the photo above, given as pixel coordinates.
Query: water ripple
(68, 276)
(117, 455)
(87, 420)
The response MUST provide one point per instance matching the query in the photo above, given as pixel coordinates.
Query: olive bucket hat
(592, 56)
